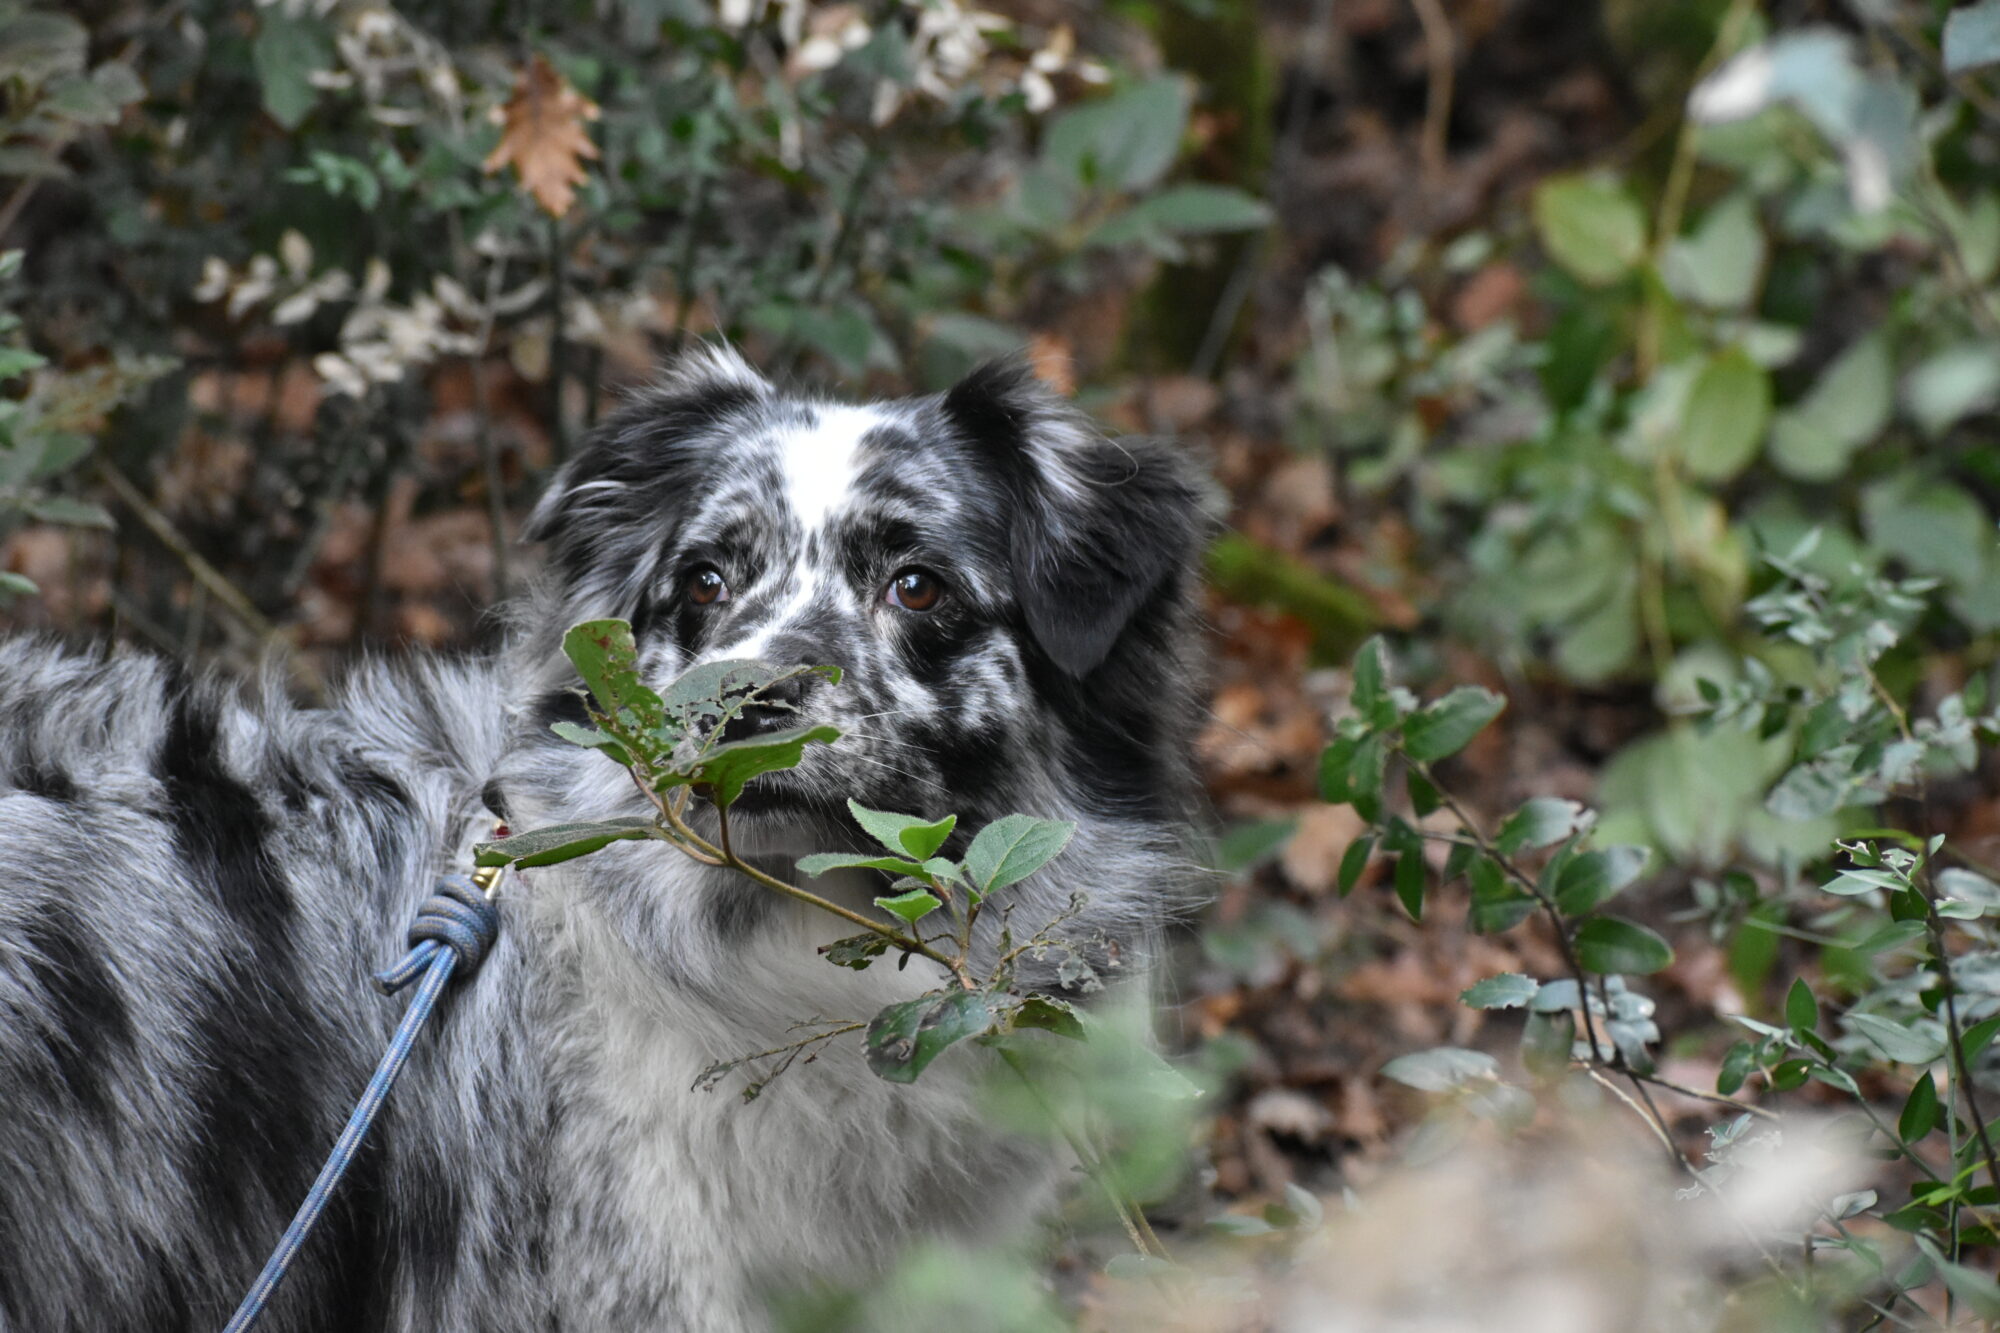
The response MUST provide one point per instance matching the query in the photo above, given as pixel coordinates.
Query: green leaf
(1737, 1063)
(1977, 1291)
(1351, 769)
(726, 768)
(1496, 904)
(604, 655)
(913, 906)
(1801, 1009)
(1848, 406)
(288, 50)
(1410, 877)
(1352, 862)
(1921, 1112)
(1894, 1041)
(1976, 1037)
(1594, 878)
(1953, 383)
(1723, 421)
(1448, 725)
(1442, 1068)
(855, 951)
(841, 861)
(1046, 1014)
(1542, 822)
(75, 513)
(1612, 946)
(1183, 210)
(1505, 991)
(1972, 37)
(1933, 526)
(1546, 1042)
(904, 1038)
(1010, 849)
(18, 361)
(560, 842)
(1370, 695)
(903, 833)
(1718, 264)
(1590, 226)
(1123, 142)
(35, 46)
(1251, 843)
(590, 738)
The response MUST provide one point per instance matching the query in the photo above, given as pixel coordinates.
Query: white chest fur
(673, 1204)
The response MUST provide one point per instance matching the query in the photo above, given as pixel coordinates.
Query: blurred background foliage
(1639, 362)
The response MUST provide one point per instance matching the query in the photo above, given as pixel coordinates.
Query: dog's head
(1007, 590)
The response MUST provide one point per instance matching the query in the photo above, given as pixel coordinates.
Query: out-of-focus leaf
(1613, 947)
(1590, 226)
(1442, 1068)
(1506, 991)
(1972, 37)
(543, 137)
(1727, 410)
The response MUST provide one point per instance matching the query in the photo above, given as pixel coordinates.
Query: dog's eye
(705, 585)
(914, 590)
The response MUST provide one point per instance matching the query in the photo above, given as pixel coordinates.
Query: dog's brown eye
(914, 590)
(705, 585)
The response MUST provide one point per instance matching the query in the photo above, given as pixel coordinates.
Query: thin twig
(1962, 1075)
(232, 598)
(1088, 1161)
(1744, 1107)
(1440, 54)
(1534, 891)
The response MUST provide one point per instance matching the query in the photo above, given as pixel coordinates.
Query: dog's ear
(1099, 526)
(625, 481)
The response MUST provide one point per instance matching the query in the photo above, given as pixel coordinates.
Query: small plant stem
(1092, 1167)
(1715, 1097)
(1962, 1075)
(1534, 890)
(1441, 58)
(1650, 1114)
(709, 854)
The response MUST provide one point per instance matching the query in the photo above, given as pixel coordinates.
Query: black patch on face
(93, 1028)
(221, 832)
(563, 704)
(43, 780)
(643, 453)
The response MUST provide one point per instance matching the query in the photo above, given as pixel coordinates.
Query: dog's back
(192, 885)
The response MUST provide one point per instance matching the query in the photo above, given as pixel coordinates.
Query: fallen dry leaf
(544, 139)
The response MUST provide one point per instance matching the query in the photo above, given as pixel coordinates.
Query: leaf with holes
(604, 655)
(904, 1038)
(1046, 1015)
(855, 951)
(590, 738)
(560, 842)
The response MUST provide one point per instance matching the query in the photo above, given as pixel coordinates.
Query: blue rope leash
(455, 928)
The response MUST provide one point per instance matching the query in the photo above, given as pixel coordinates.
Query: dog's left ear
(1100, 526)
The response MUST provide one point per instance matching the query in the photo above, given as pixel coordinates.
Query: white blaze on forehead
(819, 460)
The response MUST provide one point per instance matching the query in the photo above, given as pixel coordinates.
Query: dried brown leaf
(544, 139)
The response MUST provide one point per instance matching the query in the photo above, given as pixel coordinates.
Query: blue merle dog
(196, 879)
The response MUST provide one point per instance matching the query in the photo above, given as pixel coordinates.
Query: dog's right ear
(1100, 526)
(606, 509)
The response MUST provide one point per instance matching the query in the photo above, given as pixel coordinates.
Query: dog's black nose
(775, 708)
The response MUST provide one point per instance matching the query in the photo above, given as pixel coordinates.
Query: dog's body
(195, 883)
